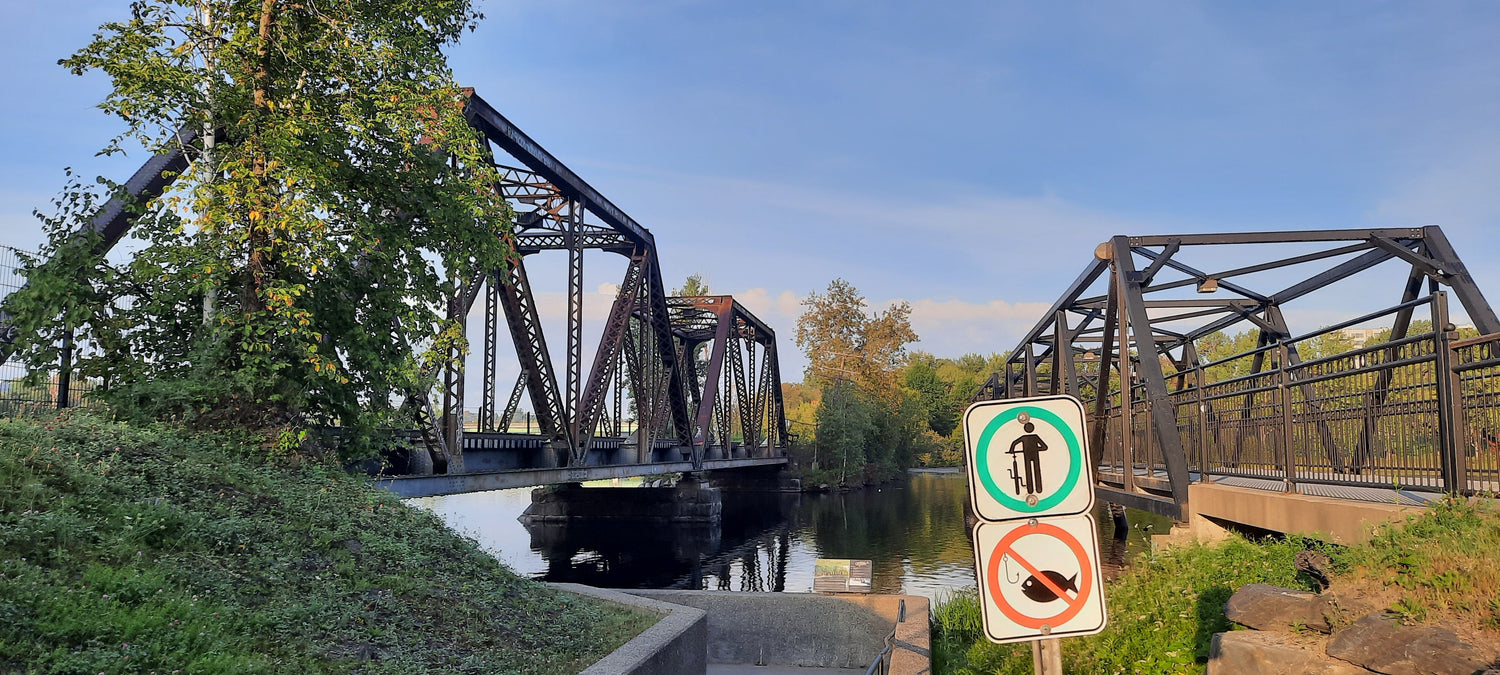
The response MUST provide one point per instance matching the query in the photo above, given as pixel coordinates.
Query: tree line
(868, 408)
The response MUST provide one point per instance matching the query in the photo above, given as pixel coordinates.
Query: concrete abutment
(690, 501)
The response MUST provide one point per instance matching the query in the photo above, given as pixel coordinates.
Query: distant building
(1362, 336)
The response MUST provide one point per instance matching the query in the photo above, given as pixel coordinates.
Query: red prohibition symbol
(1085, 575)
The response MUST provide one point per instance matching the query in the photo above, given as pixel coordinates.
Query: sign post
(1036, 547)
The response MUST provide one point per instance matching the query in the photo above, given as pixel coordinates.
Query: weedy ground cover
(1437, 567)
(141, 550)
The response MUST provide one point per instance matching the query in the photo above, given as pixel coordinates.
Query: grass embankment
(1439, 567)
(128, 550)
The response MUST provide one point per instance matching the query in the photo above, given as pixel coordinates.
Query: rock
(1383, 645)
(1266, 607)
(1345, 606)
(1316, 565)
(1253, 652)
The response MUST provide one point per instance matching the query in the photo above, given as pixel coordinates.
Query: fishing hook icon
(1006, 560)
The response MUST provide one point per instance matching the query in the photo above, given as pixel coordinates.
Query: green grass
(1164, 610)
(128, 550)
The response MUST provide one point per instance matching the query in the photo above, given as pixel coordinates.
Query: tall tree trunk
(260, 239)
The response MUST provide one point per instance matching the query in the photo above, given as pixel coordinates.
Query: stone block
(1266, 607)
(1382, 644)
(1248, 652)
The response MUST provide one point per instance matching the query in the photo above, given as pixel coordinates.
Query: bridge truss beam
(647, 353)
(1119, 322)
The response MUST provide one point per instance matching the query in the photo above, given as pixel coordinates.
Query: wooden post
(1046, 657)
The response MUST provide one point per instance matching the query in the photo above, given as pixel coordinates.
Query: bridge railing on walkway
(1420, 412)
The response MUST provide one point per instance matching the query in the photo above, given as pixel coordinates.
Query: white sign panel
(1028, 458)
(1039, 578)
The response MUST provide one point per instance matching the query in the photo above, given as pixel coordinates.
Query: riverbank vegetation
(1438, 567)
(127, 549)
(867, 408)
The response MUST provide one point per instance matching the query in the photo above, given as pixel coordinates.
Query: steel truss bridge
(696, 371)
(1389, 421)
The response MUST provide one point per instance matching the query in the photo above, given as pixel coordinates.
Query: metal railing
(882, 663)
(1421, 412)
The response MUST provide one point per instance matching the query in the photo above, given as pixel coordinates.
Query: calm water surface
(912, 530)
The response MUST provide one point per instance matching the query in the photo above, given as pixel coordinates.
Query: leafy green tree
(693, 285)
(336, 198)
(866, 421)
(846, 428)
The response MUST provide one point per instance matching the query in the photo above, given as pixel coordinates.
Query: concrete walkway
(735, 669)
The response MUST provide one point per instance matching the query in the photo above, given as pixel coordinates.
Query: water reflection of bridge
(751, 546)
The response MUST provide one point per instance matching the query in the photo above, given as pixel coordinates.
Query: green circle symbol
(1075, 454)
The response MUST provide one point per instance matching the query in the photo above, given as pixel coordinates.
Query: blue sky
(963, 156)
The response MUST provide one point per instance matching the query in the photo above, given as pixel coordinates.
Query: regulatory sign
(1039, 578)
(1028, 458)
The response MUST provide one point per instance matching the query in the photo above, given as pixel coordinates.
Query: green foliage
(136, 550)
(1162, 613)
(1442, 562)
(866, 427)
(1164, 610)
(695, 284)
(293, 270)
(941, 388)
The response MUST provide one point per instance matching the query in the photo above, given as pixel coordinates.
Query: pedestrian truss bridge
(1399, 421)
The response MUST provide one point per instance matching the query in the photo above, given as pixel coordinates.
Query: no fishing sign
(1039, 578)
(1036, 549)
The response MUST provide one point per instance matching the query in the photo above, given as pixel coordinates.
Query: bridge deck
(1396, 494)
(448, 484)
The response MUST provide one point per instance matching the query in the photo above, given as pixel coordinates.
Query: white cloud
(954, 327)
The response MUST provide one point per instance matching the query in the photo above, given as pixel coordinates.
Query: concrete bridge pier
(691, 500)
(755, 479)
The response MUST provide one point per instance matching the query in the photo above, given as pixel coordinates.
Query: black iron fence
(1420, 412)
(58, 387)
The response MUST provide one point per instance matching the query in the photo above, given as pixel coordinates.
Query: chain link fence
(56, 388)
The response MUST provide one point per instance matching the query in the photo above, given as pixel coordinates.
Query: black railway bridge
(701, 374)
(1401, 421)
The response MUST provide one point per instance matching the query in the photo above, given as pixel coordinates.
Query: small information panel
(837, 575)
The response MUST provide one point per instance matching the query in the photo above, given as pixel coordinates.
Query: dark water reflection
(912, 530)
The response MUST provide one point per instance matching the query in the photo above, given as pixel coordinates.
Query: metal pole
(1454, 468)
(1203, 439)
(65, 370)
(1127, 395)
(1288, 459)
(1029, 371)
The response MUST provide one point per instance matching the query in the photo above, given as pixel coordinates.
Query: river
(912, 530)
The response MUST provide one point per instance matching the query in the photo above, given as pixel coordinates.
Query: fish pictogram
(1036, 590)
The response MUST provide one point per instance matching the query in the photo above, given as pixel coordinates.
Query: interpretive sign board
(1028, 458)
(1039, 578)
(842, 576)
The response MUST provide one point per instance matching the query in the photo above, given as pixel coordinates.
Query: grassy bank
(1438, 567)
(128, 550)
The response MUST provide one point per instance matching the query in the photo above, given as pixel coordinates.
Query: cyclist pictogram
(1028, 458)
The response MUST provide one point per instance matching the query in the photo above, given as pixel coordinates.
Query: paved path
(735, 669)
